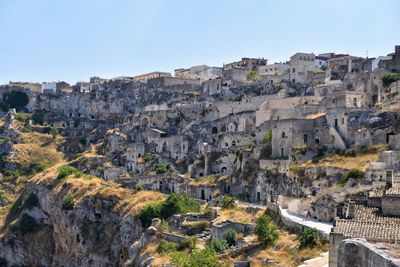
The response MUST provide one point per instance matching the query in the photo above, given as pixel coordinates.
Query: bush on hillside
(228, 202)
(65, 171)
(390, 77)
(14, 99)
(266, 231)
(309, 238)
(174, 204)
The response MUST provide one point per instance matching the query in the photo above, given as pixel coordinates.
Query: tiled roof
(378, 232)
(368, 223)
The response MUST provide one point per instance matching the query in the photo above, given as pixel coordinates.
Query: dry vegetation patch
(285, 253)
(361, 161)
(239, 214)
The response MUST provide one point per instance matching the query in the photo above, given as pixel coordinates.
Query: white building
(321, 62)
(201, 72)
(50, 88)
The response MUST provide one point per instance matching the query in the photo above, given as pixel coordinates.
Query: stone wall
(218, 231)
(359, 252)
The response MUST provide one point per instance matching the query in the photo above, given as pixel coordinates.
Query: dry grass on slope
(239, 214)
(361, 161)
(286, 252)
(128, 202)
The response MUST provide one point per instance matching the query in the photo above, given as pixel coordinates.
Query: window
(354, 102)
(282, 152)
(342, 120)
(305, 139)
(294, 70)
(283, 134)
(333, 100)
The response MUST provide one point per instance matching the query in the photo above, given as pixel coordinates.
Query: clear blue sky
(71, 40)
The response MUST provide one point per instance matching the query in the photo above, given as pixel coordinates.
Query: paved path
(321, 226)
(310, 222)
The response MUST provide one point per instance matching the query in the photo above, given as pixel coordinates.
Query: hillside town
(311, 144)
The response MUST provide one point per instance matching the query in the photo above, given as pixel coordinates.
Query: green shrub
(14, 99)
(38, 117)
(68, 202)
(26, 224)
(147, 158)
(230, 237)
(228, 202)
(54, 132)
(236, 98)
(390, 77)
(133, 172)
(252, 76)
(309, 238)
(27, 129)
(198, 258)
(178, 204)
(22, 117)
(162, 168)
(139, 187)
(2, 194)
(218, 245)
(65, 171)
(167, 247)
(31, 169)
(149, 212)
(210, 213)
(267, 136)
(266, 231)
(188, 243)
(356, 174)
(174, 204)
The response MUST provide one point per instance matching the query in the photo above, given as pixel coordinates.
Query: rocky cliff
(76, 221)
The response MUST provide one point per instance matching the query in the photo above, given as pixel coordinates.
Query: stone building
(171, 146)
(392, 61)
(302, 67)
(213, 86)
(133, 153)
(202, 72)
(246, 63)
(151, 75)
(298, 134)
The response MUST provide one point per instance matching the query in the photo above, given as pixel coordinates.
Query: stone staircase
(205, 235)
(339, 142)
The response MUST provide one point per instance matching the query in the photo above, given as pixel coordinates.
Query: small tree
(54, 132)
(252, 76)
(228, 202)
(266, 231)
(390, 77)
(218, 245)
(14, 99)
(162, 168)
(309, 238)
(356, 174)
(267, 136)
(230, 237)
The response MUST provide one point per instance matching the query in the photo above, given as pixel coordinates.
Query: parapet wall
(358, 252)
